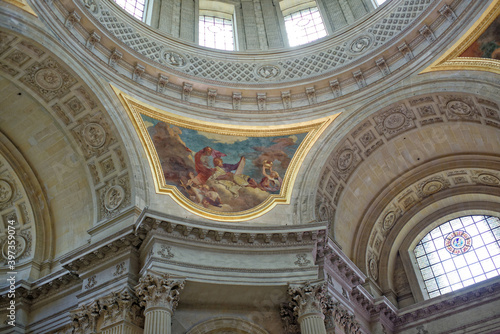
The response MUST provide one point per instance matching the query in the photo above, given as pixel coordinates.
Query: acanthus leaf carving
(159, 291)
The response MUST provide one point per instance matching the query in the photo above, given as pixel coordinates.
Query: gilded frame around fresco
(451, 61)
(313, 129)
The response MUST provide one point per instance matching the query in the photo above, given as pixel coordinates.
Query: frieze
(337, 55)
(246, 238)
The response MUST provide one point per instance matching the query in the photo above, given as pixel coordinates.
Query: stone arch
(86, 126)
(226, 325)
(24, 204)
(391, 142)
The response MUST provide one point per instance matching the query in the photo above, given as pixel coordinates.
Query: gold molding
(451, 60)
(313, 129)
(23, 5)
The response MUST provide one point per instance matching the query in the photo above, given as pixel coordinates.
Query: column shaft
(157, 321)
(312, 324)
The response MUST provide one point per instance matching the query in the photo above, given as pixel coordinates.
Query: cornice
(47, 287)
(442, 306)
(101, 251)
(340, 264)
(235, 234)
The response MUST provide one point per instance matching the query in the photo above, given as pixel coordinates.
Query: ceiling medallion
(219, 171)
(458, 242)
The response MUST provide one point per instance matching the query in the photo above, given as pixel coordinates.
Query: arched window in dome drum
(459, 253)
(303, 24)
(215, 25)
(135, 8)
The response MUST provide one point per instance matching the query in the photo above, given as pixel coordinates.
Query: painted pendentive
(218, 171)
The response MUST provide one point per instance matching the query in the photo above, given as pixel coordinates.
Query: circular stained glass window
(458, 242)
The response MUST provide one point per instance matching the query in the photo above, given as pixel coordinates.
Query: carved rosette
(159, 291)
(308, 298)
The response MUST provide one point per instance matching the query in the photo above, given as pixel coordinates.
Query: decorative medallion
(20, 247)
(268, 71)
(48, 79)
(94, 135)
(489, 179)
(389, 220)
(6, 191)
(394, 121)
(458, 242)
(360, 44)
(114, 197)
(459, 108)
(219, 171)
(345, 159)
(173, 58)
(432, 187)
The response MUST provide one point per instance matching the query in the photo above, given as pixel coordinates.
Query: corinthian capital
(159, 291)
(121, 306)
(308, 298)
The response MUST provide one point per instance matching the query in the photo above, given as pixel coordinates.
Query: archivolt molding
(23, 210)
(448, 182)
(383, 126)
(79, 113)
(166, 66)
(224, 325)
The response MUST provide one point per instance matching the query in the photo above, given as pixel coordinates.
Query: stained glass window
(133, 7)
(216, 32)
(304, 26)
(458, 253)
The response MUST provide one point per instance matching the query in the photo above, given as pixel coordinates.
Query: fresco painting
(487, 45)
(219, 172)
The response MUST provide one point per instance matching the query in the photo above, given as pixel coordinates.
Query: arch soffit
(78, 111)
(416, 115)
(229, 324)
